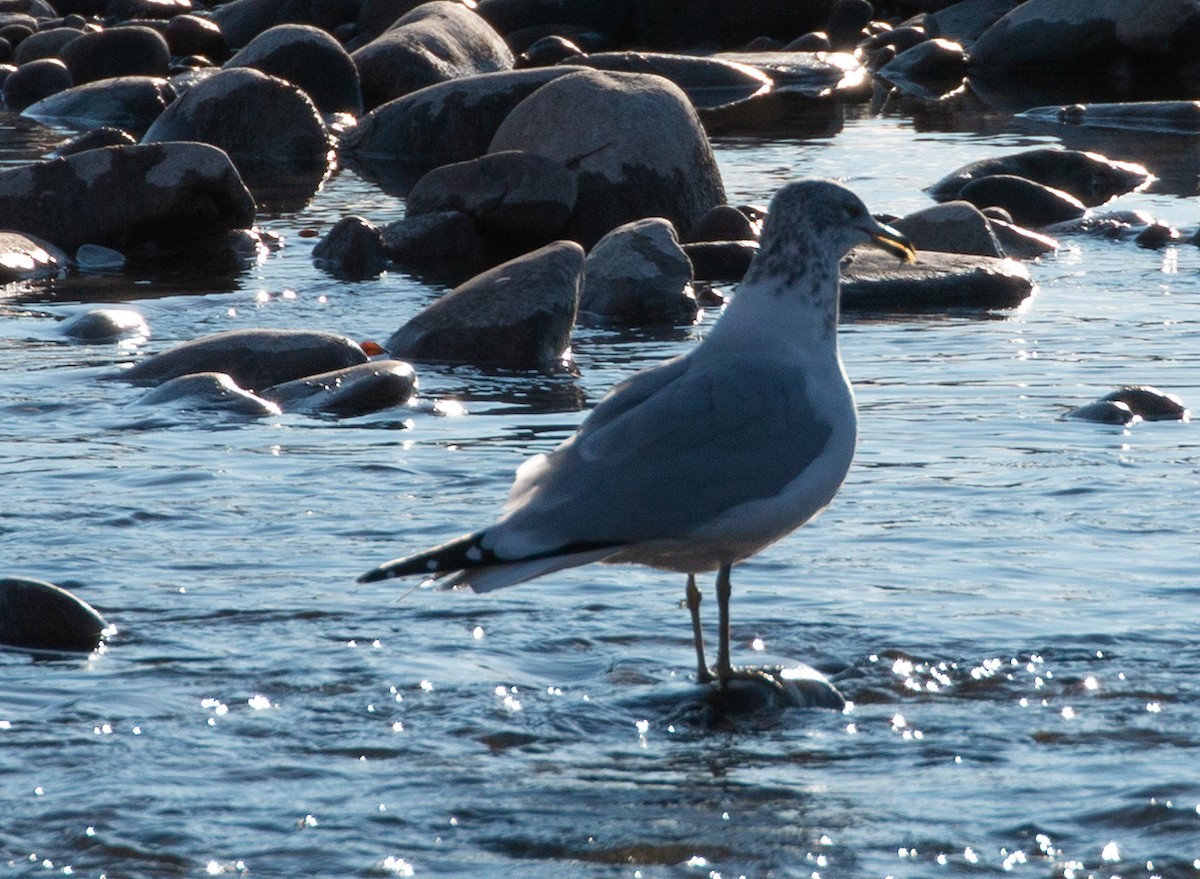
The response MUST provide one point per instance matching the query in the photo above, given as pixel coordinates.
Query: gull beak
(888, 239)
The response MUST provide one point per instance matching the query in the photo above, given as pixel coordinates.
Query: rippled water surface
(1009, 599)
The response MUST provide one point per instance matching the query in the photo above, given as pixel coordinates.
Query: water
(1009, 599)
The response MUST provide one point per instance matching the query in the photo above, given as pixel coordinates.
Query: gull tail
(465, 563)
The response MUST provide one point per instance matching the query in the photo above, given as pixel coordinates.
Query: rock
(1149, 403)
(876, 282)
(376, 16)
(94, 258)
(1031, 204)
(724, 223)
(1103, 412)
(635, 144)
(720, 260)
(1081, 37)
(171, 194)
(118, 51)
(685, 24)
(815, 41)
(207, 392)
(1090, 177)
(1163, 117)
(93, 140)
(353, 249)
(310, 59)
(44, 44)
(127, 102)
(192, 35)
(35, 80)
(708, 82)
(253, 117)
(1157, 235)
(106, 325)
(242, 20)
(965, 21)
(35, 615)
(845, 23)
(252, 358)
(146, 10)
(1021, 243)
(517, 315)
(446, 236)
(451, 122)
(638, 274)
(607, 17)
(26, 258)
(1120, 225)
(953, 227)
(547, 51)
(516, 197)
(929, 60)
(355, 390)
(436, 42)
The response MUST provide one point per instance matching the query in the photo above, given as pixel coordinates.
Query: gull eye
(851, 211)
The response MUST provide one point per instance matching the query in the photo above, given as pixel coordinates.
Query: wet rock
(353, 249)
(192, 35)
(517, 315)
(874, 281)
(1103, 412)
(310, 59)
(845, 23)
(929, 60)
(208, 392)
(252, 358)
(93, 140)
(708, 82)
(253, 117)
(965, 21)
(242, 20)
(106, 325)
(723, 223)
(35, 615)
(445, 236)
(172, 195)
(94, 258)
(1030, 204)
(1120, 225)
(1149, 403)
(513, 196)
(1166, 117)
(684, 24)
(436, 42)
(35, 80)
(44, 44)
(1089, 177)
(547, 51)
(1080, 37)
(635, 144)
(26, 258)
(1157, 235)
(720, 260)
(953, 227)
(1021, 243)
(638, 274)
(114, 52)
(356, 390)
(129, 102)
(451, 122)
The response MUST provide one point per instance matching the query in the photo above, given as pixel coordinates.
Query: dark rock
(1031, 204)
(1157, 235)
(436, 42)
(44, 44)
(708, 82)
(635, 144)
(35, 615)
(310, 59)
(1163, 117)
(253, 117)
(35, 80)
(193, 35)
(816, 41)
(127, 102)
(844, 26)
(451, 122)
(607, 17)
(876, 282)
(723, 223)
(685, 24)
(1149, 403)
(433, 238)
(963, 22)
(514, 196)
(549, 50)
(930, 60)
(516, 316)
(353, 249)
(1021, 243)
(953, 227)
(355, 390)
(93, 140)
(118, 51)
(106, 325)
(720, 260)
(252, 358)
(167, 194)
(1119, 225)
(638, 274)
(1103, 412)
(376, 16)
(147, 10)
(209, 392)
(26, 258)
(242, 20)
(1091, 178)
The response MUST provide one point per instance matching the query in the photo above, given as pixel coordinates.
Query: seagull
(702, 461)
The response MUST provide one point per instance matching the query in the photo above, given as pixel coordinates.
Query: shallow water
(1009, 599)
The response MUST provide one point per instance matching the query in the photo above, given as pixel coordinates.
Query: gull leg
(703, 674)
(724, 590)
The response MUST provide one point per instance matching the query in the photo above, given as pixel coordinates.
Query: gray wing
(667, 452)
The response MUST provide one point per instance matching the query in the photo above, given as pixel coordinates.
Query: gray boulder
(634, 141)
(353, 249)
(129, 103)
(517, 315)
(26, 258)
(1103, 412)
(310, 59)
(252, 358)
(639, 274)
(1019, 242)
(208, 392)
(875, 282)
(1090, 177)
(434, 43)
(169, 194)
(36, 615)
(708, 82)
(355, 390)
(513, 196)
(954, 227)
(441, 237)
(120, 51)
(106, 325)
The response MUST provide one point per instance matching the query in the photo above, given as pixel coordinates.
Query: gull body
(702, 461)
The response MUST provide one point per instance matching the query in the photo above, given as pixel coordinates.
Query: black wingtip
(465, 552)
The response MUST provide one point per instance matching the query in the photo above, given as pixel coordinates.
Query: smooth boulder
(106, 325)
(119, 51)
(634, 142)
(27, 258)
(1030, 204)
(208, 392)
(517, 315)
(353, 249)
(355, 390)
(169, 195)
(254, 359)
(876, 282)
(128, 103)
(36, 615)
(638, 274)
(953, 227)
(1090, 177)
(310, 59)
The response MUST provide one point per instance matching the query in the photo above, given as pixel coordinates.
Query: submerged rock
(1104, 412)
(106, 325)
(353, 249)
(1166, 117)
(1150, 403)
(873, 281)
(1090, 177)
(355, 390)
(206, 392)
(27, 258)
(638, 274)
(35, 615)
